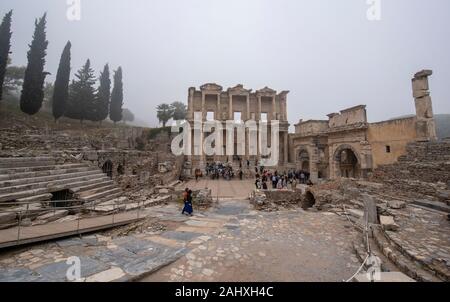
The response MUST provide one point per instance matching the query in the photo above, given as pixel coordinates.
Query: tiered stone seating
(34, 180)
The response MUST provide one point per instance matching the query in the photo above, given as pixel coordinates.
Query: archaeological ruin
(376, 190)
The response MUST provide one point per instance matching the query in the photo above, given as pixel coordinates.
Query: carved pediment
(266, 91)
(239, 90)
(211, 87)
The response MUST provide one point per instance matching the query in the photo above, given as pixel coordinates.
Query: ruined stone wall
(424, 170)
(311, 127)
(51, 139)
(348, 116)
(388, 139)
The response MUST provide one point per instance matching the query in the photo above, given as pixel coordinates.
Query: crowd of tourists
(279, 181)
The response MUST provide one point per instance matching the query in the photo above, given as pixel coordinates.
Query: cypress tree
(61, 90)
(115, 110)
(103, 95)
(33, 84)
(82, 94)
(5, 46)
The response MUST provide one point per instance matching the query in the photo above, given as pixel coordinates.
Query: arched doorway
(303, 160)
(107, 168)
(347, 162)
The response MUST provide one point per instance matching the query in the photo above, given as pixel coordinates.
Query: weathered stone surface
(388, 223)
(370, 210)
(7, 218)
(53, 215)
(396, 204)
(114, 273)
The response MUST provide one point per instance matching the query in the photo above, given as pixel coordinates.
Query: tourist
(248, 164)
(302, 177)
(285, 182)
(294, 183)
(241, 174)
(187, 199)
(280, 184)
(197, 174)
(258, 184)
(274, 181)
(264, 185)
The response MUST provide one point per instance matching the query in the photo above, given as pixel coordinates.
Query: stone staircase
(394, 258)
(33, 182)
(408, 264)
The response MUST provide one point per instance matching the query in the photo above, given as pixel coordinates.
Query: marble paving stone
(182, 236)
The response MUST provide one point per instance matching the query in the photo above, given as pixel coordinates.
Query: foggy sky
(325, 52)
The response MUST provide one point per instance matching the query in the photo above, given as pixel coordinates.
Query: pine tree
(103, 95)
(82, 94)
(61, 90)
(5, 46)
(115, 110)
(33, 84)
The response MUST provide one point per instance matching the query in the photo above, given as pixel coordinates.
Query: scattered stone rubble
(274, 200)
(411, 232)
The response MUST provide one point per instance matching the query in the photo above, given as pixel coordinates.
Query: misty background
(326, 52)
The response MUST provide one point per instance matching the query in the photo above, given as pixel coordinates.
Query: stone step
(106, 193)
(4, 160)
(56, 171)
(22, 194)
(52, 188)
(110, 197)
(91, 186)
(440, 272)
(98, 189)
(42, 179)
(15, 170)
(404, 264)
(27, 164)
(42, 197)
(67, 183)
(360, 249)
(434, 205)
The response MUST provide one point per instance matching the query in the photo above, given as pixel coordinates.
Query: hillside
(12, 117)
(443, 125)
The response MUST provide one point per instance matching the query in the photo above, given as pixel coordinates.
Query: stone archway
(347, 162)
(304, 160)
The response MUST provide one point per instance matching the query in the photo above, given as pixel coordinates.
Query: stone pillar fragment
(425, 124)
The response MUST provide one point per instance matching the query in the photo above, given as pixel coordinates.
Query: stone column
(203, 106)
(425, 125)
(313, 164)
(191, 103)
(218, 117)
(286, 150)
(230, 107)
(258, 115)
(274, 108)
(248, 107)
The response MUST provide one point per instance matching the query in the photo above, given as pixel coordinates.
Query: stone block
(396, 204)
(388, 223)
(423, 73)
(6, 218)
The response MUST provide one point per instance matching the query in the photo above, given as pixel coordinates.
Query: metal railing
(85, 207)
